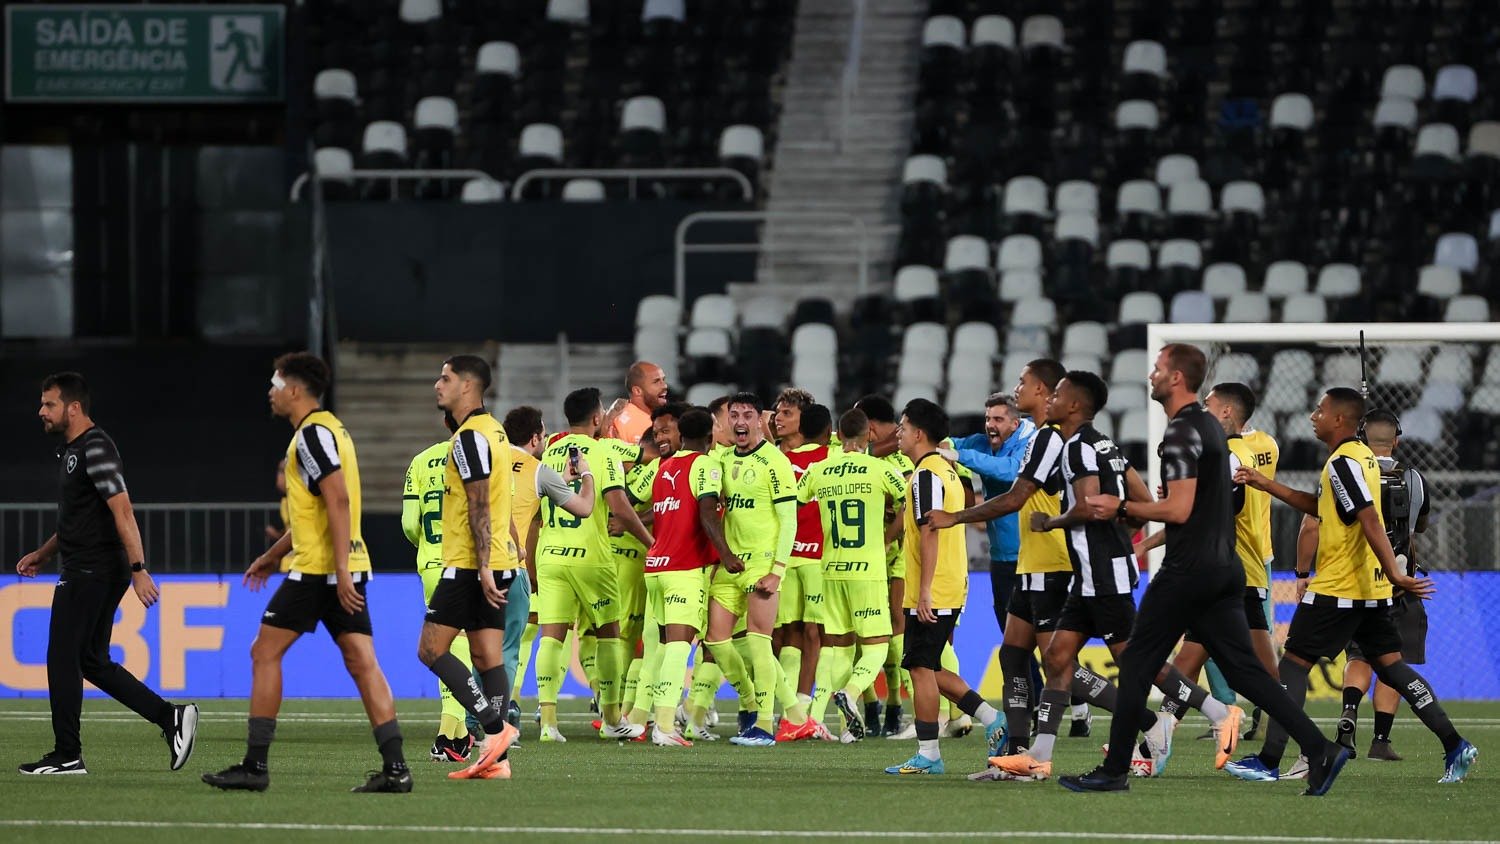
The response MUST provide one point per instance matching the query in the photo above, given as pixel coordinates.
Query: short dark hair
(877, 409)
(1348, 400)
(1093, 388)
(716, 405)
(1190, 361)
(307, 368)
(471, 366)
(816, 421)
(522, 423)
(747, 397)
(1005, 400)
(1237, 394)
(797, 396)
(927, 416)
(674, 409)
(696, 423)
(854, 424)
(70, 387)
(1380, 416)
(581, 404)
(1047, 371)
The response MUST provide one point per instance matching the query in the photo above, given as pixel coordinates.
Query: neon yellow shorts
(585, 594)
(631, 586)
(430, 578)
(801, 594)
(731, 591)
(678, 597)
(861, 607)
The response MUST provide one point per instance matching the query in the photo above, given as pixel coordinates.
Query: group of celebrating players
(804, 557)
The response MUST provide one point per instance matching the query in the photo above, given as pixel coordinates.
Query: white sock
(805, 700)
(986, 714)
(1080, 711)
(1215, 710)
(928, 749)
(1042, 750)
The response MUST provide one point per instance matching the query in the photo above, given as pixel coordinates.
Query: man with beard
(629, 418)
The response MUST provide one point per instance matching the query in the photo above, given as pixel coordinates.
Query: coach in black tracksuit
(101, 558)
(1200, 585)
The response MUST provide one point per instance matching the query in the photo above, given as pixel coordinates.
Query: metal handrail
(393, 175)
(631, 175)
(849, 79)
(681, 247)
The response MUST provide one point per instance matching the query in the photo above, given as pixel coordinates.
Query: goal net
(1443, 381)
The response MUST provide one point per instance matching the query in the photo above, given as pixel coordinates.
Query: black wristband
(1303, 575)
(1120, 511)
(138, 565)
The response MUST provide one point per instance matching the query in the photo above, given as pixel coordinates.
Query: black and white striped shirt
(1103, 561)
(317, 455)
(1042, 462)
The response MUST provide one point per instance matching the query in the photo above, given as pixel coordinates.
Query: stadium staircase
(813, 173)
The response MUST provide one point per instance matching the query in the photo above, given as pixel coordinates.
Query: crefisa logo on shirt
(72, 463)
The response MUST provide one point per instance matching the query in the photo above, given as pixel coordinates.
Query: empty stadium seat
(1284, 278)
(1076, 196)
(1458, 250)
(1304, 308)
(1020, 284)
(1224, 281)
(583, 190)
(1248, 307)
(1019, 252)
(1467, 308)
(658, 311)
(713, 310)
(764, 312)
(1192, 306)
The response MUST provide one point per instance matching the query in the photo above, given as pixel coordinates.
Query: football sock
(893, 672)
(1048, 716)
(588, 659)
(642, 702)
(258, 745)
(628, 687)
(549, 677)
(870, 695)
(460, 681)
(1217, 685)
(528, 640)
(949, 662)
(1177, 685)
(496, 685)
(672, 659)
(791, 662)
(792, 707)
(1383, 723)
(832, 663)
(1015, 664)
(767, 676)
(388, 739)
(727, 657)
(863, 672)
(1422, 699)
(610, 665)
(707, 677)
(927, 740)
(1352, 698)
(453, 713)
(1294, 680)
(1080, 709)
(972, 704)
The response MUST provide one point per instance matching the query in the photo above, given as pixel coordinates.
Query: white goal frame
(1342, 333)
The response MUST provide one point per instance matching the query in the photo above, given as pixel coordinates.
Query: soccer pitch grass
(588, 789)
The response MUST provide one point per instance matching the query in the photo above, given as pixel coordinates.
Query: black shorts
(1411, 624)
(1255, 612)
(1106, 617)
(303, 600)
(458, 600)
(925, 642)
(1041, 607)
(1321, 630)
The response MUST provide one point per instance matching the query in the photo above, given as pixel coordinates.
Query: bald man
(629, 418)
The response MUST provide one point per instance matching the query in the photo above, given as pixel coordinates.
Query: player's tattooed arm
(478, 494)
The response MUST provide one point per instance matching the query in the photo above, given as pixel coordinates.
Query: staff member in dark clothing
(1201, 584)
(101, 558)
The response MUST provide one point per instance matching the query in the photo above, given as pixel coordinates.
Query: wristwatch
(1120, 511)
(138, 565)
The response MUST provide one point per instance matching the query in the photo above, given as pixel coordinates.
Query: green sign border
(10, 33)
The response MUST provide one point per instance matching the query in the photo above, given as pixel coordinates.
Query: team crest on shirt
(72, 463)
(749, 474)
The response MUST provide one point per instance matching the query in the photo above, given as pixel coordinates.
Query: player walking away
(1404, 508)
(102, 556)
(804, 428)
(760, 523)
(853, 492)
(689, 540)
(577, 576)
(1232, 404)
(1200, 585)
(422, 524)
(1350, 597)
(937, 584)
(326, 584)
(630, 418)
(882, 420)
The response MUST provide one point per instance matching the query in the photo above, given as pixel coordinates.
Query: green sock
(823, 690)
(793, 708)
(528, 641)
(611, 665)
(674, 660)
(451, 724)
(549, 677)
(863, 673)
(645, 689)
(869, 696)
(588, 659)
(727, 657)
(707, 677)
(742, 647)
(629, 690)
(840, 659)
(791, 662)
(767, 673)
(893, 678)
(949, 662)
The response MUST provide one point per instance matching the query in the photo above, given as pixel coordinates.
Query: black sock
(497, 687)
(1294, 680)
(1015, 663)
(460, 682)
(1383, 722)
(1414, 689)
(1352, 697)
(388, 739)
(258, 747)
(1176, 686)
(926, 730)
(1173, 707)
(1093, 688)
(1050, 714)
(969, 703)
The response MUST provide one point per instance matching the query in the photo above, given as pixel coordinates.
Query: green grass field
(589, 790)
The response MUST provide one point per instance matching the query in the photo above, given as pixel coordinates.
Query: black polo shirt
(91, 473)
(1195, 447)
